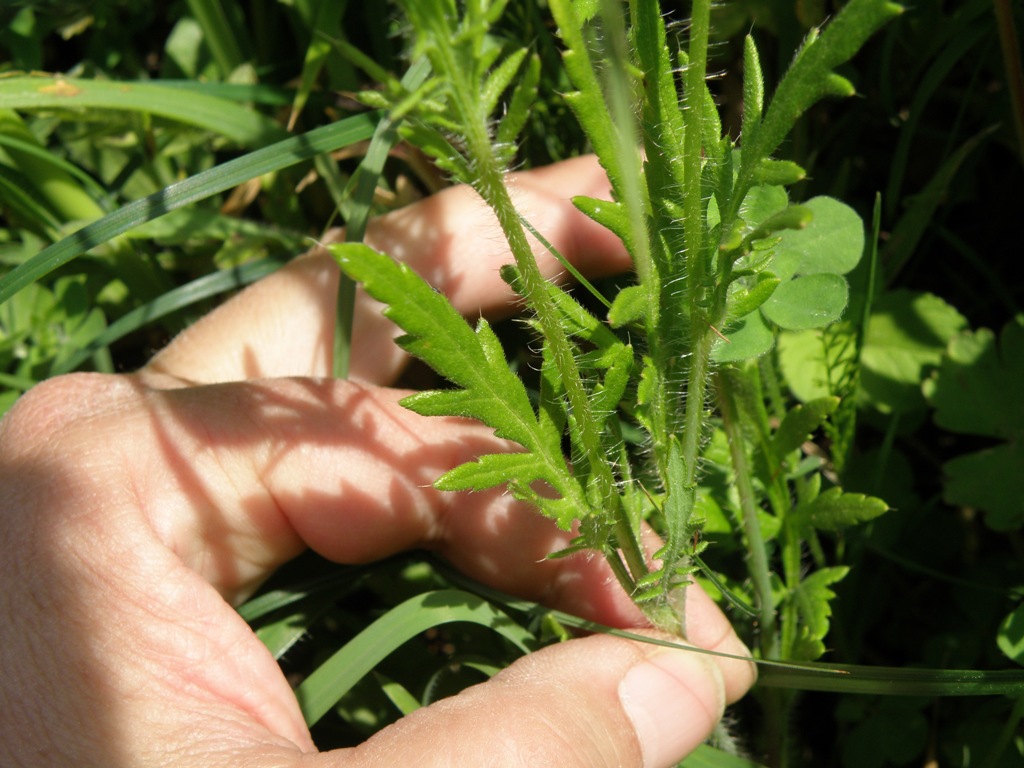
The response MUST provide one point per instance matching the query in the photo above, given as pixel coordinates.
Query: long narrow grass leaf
(360, 191)
(336, 676)
(198, 187)
(806, 676)
(203, 110)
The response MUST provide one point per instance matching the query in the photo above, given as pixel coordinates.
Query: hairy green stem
(701, 336)
(490, 183)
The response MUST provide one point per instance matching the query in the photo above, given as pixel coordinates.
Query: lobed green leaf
(799, 422)
(835, 509)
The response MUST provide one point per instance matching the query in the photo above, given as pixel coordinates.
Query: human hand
(137, 509)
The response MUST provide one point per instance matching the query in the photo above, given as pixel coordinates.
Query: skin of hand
(137, 509)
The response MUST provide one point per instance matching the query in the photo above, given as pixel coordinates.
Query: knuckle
(53, 407)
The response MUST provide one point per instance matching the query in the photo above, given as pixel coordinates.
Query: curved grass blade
(360, 191)
(202, 110)
(335, 677)
(206, 184)
(282, 634)
(45, 156)
(338, 580)
(404, 701)
(805, 676)
(257, 93)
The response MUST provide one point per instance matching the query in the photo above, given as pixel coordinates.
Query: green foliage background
(937, 129)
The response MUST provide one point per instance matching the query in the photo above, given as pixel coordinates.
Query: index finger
(284, 325)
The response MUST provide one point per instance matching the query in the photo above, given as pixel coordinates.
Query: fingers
(597, 701)
(235, 479)
(238, 478)
(284, 325)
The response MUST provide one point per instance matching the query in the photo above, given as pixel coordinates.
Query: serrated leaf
(809, 301)
(492, 469)
(799, 422)
(812, 598)
(835, 509)
(437, 334)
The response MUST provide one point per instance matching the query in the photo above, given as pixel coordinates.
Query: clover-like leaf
(809, 301)
(745, 339)
(977, 390)
(832, 242)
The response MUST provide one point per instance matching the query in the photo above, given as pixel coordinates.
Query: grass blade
(361, 188)
(225, 118)
(335, 677)
(202, 185)
(805, 676)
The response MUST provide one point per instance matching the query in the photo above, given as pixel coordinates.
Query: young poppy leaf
(835, 509)
(800, 422)
(812, 599)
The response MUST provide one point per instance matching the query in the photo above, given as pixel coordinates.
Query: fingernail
(674, 699)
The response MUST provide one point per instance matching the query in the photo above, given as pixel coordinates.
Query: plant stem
(701, 337)
(490, 183)
(758, 567)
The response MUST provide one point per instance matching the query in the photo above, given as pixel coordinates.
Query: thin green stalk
(219, 34)
(760, 572)
(702, 339)
(693, 104)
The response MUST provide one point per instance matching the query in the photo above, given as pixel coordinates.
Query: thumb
(595, 701)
